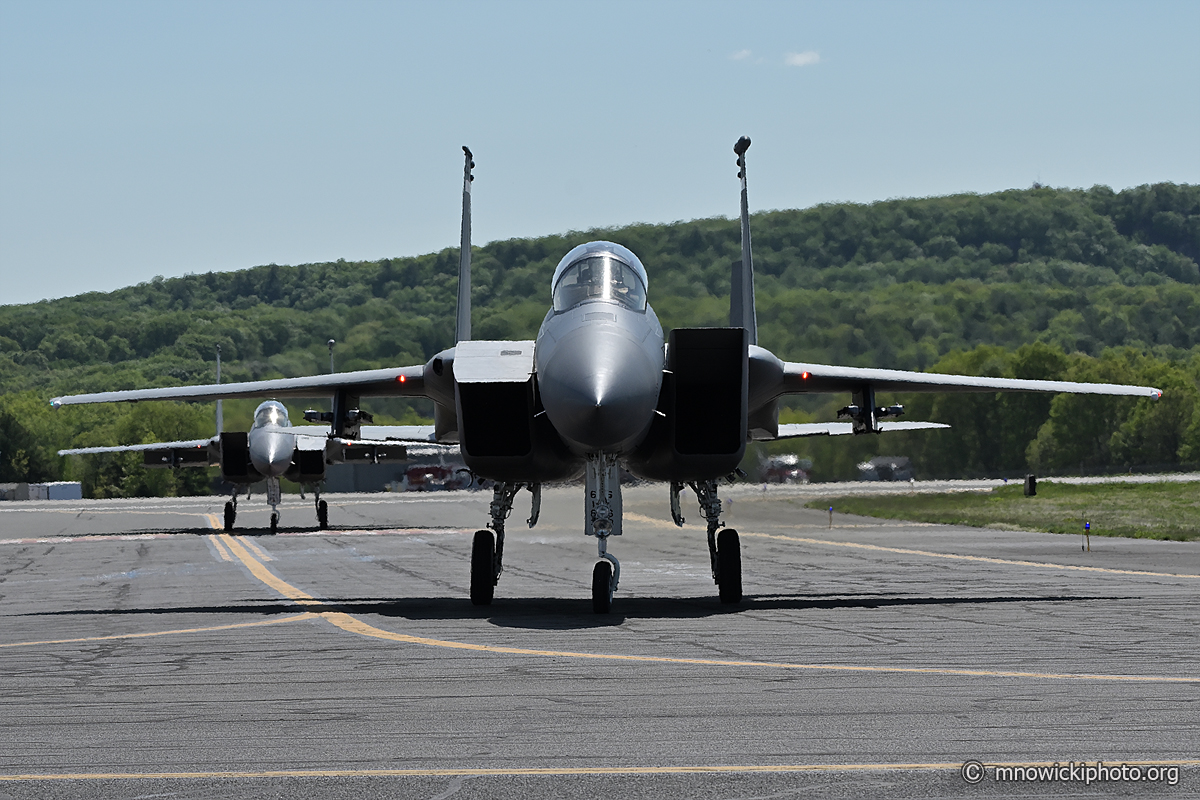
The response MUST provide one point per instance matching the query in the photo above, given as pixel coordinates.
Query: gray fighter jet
(270, 450)
(598, 390)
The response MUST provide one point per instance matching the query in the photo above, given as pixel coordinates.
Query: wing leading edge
(392, 382)
(801, 378)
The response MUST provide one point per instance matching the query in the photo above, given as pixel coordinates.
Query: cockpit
(600, 271)
(271, 412)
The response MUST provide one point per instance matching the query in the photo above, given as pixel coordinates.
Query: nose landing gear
(602, 519)
(274, 497)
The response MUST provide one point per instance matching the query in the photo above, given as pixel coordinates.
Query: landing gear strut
(602, 518)
(724, 549)
(487, 551)
(274, 497)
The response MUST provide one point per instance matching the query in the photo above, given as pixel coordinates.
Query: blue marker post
(1087, 534)
(831, 518)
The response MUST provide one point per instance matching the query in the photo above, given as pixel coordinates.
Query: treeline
(911, 284)
(1004, 434)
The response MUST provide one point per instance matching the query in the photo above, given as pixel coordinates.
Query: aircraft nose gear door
(724, 548)
(602, 518)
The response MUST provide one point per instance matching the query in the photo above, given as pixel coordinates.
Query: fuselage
(599, 353)
(272, 444)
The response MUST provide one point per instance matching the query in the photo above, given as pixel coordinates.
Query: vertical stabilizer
(462, 328)
(741, 295)
(220, 412)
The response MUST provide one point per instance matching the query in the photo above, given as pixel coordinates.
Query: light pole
(331, 343)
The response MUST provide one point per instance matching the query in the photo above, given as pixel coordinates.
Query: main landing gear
(322, 508)
(724, 548)
(602, 518)
(487, 551)
(231, 511)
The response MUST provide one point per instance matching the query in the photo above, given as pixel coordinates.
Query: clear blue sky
(160, 138)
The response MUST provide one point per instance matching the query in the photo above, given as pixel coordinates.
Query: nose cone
(271, 451)
(600, 389)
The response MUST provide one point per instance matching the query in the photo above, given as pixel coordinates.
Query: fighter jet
(599, 389)
(270, 450)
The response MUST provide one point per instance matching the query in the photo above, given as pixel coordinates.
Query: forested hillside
(1105, 282)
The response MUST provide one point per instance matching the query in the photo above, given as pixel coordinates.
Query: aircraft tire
(323, 514)
(230, 516)
(274, 523)
(483, 577)
(602, 587)
(729, 559)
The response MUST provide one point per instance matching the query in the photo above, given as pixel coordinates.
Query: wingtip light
(804, 376)
(402, 378)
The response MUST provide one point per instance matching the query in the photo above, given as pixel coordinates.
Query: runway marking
(956, 557)
(260, 571)
(216, 524)
(258, 550)
(662, 523)
(384, 532)
(220, 547)
(352, 624)
(97, 537)
(551, 771)
(231, 626)
(76, 512)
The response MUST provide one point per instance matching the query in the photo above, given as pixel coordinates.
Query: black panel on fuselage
(505, 436)
(700, 432)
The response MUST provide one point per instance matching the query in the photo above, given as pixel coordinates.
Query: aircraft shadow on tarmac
(564, 613)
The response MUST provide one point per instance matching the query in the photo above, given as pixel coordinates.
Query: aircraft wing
(812, 378)
(132, 448)
(403, 433)
(192, 453)
(392, 382)
(379, 433)
(795, 430)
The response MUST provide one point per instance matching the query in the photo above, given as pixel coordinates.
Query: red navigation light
(402, 378)
(804, 375)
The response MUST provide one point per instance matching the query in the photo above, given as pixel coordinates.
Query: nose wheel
(605, 577)
(602, 588)
(230, 514)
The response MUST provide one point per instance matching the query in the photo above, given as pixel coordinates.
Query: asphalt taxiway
(145, 653)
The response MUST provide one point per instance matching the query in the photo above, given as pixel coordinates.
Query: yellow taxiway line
(231, 626)
(220, 547)
(352, 624)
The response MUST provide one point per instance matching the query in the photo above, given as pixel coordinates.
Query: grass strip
(1140, 511)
